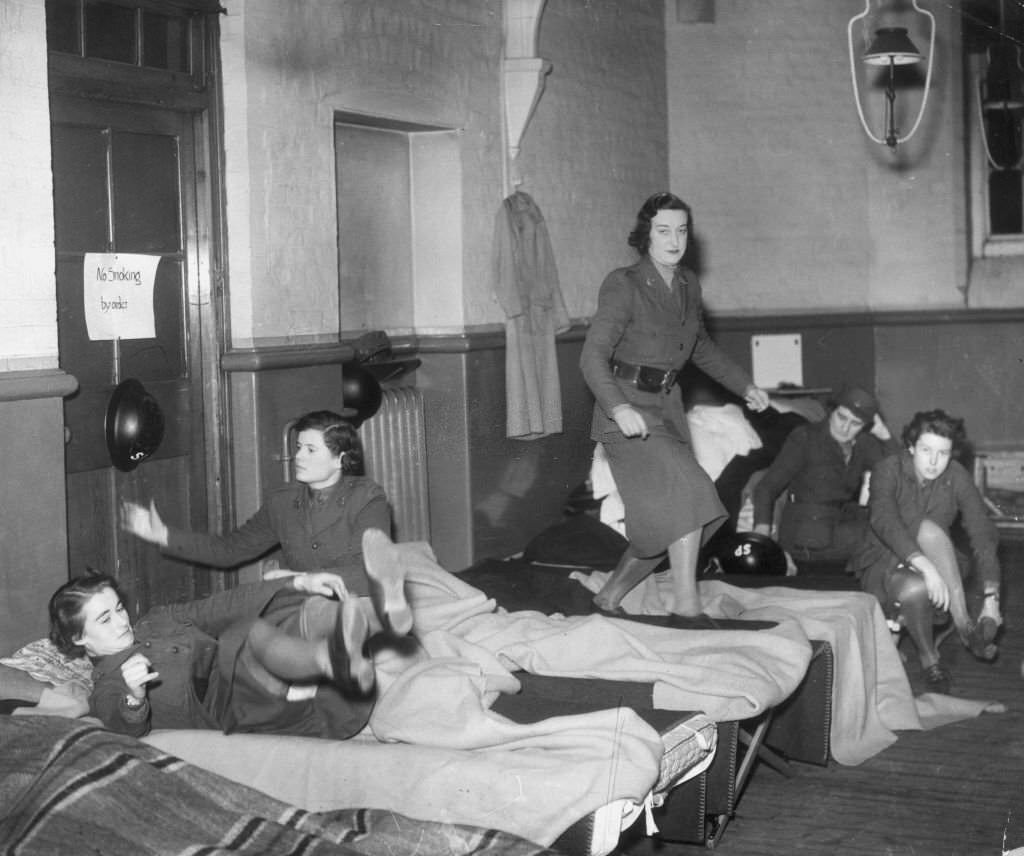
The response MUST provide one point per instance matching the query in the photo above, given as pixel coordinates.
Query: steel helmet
(134, 425)
(751, 553)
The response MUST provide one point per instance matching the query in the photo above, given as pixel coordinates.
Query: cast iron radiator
(394, 443)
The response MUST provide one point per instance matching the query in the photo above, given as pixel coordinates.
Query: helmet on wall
(360, 392)
(751, 553)
(134, 425)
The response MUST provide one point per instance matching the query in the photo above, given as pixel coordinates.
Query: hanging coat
(526, 285)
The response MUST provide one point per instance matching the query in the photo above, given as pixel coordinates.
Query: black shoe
(351, 666)
(387, 582)
(614, 612)
(936, 679)
(979, 643)
(694, 622)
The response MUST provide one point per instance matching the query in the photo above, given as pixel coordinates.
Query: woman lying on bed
(228, 661)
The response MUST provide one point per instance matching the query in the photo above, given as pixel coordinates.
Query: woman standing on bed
(318, 520)
(908, 560)
(648, 325)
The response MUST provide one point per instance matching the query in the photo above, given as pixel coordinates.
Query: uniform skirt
(665, 492)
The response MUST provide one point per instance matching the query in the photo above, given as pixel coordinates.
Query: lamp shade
(892, 46)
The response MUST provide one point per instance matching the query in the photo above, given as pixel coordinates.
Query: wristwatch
(131, 701)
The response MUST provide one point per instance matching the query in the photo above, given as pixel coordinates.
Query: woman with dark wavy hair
(649, 323)
(226, 661)
(318, 520)
(908, 560)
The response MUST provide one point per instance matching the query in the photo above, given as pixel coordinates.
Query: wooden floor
(953, 791)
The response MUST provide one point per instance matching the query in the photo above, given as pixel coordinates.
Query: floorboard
(957, 790)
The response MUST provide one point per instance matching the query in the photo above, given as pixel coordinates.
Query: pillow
(580, 541)
(45, 663)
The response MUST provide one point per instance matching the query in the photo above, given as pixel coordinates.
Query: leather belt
(645, 378)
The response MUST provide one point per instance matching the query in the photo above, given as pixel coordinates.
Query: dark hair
(67, 605)
(640, 238)
(340, 437)
(939, 423)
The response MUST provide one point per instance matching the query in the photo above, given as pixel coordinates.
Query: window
(399, 214)
(995, 113)
(131, 34)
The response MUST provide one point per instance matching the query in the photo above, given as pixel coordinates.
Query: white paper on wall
(777, 360)
(117, 290)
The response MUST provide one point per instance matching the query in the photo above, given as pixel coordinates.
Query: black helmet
(751, 553)
(360, 392)
(134, 425)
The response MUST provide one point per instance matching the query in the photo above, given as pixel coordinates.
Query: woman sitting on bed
(318, 520)
(820, 468)
(228, 661)
(908, 560)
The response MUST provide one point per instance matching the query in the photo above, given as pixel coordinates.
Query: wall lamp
(890, 47)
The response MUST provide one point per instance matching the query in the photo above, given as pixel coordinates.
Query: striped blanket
(68, 786)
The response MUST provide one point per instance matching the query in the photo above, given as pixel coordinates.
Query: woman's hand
(756, 398)
(137, 672)
(880, 430)
(938, 591)
(321, 582)
(630, 421)
(144, 523)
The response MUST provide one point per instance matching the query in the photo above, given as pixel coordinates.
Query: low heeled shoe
(351, 666)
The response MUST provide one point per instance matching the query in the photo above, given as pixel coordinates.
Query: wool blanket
(70, 786)
(871, 696)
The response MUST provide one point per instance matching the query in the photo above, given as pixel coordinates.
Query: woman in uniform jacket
(222, 662)
(318, 520)
(648, 325)
(821, 468)
(908, 561)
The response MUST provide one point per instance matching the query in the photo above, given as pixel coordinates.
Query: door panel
(124, 182)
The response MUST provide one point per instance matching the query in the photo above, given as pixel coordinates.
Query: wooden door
(126, 180)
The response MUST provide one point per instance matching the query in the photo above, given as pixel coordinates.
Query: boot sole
(387, 582)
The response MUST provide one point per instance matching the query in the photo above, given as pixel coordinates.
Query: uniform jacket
(811, 468)
(183, 643)
(334, 543)
(899, 502)
(639, 321)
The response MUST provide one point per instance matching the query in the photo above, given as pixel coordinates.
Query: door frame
(73, 80)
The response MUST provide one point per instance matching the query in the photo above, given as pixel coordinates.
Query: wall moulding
(522, 77)
(29, 385)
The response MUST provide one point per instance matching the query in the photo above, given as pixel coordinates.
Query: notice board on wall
(777, 360)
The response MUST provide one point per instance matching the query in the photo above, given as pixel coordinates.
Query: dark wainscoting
(489, 495)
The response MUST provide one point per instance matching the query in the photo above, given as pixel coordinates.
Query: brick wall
(795, 208)
(28, 300)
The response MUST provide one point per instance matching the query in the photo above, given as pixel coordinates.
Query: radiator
(395, 447)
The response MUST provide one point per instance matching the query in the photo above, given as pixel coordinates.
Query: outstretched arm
(144, 523)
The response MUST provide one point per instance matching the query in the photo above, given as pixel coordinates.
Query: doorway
(132, 175)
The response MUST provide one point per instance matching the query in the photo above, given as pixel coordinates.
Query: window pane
(80, 200)
(110, 32)
(1004, 199)
(62, 26)
(146, 206)
(165, 42)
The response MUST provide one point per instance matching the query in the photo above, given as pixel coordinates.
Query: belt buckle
(649, 379)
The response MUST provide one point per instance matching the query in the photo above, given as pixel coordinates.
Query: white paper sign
(117, 289)
(777, 360)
